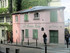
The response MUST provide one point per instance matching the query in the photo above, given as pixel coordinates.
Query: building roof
(38, 8)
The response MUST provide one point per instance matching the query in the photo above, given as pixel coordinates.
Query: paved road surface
(51, 49)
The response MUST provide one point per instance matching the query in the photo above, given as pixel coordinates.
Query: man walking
(45, 41)
(45, 38)
(67, 40)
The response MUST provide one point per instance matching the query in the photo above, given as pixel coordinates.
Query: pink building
(32, 23)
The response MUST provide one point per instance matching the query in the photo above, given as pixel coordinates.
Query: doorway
(53, 36)
(22, 35)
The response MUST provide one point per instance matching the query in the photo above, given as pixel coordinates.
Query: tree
(10, 6)
(30, 3)
(25, 4)
(17, 4)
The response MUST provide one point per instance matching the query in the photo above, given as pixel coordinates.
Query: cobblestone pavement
(61, 48)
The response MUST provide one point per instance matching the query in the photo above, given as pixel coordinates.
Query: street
(21, 49)
(51, 49)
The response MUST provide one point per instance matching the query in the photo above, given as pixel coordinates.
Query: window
(3, 33)
(8, 19)
(53, 16)
(16, 18)
(3, 4)
(26, 33)
(25, 17)
(35, 34)
(0, 3)
(1, 19)
(36, 16)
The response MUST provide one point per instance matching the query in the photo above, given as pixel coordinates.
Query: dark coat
(44, 37)
(67, 38)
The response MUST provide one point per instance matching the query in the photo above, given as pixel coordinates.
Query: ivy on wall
(3, 10)
(9, 27)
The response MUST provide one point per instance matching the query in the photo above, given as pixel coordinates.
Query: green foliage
(9, 27)
(25, 4)
(17, 4)
(10, 5)
(49, 0)
(3, 10)
(30, 3)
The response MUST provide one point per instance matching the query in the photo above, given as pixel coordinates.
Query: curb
(24, 46)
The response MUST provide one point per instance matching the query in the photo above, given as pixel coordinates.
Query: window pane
(36, 16)
(8, 19)
(35, 34)
(16, 18)
(26, 33)
(1, 19)
(1, 3)
(3, 33)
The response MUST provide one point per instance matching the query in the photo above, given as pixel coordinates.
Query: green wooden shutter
(53, 16)
(26, 33)
(25, 17)
(35, 34)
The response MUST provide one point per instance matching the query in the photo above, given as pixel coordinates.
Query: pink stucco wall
(44, 21)
(16, 29)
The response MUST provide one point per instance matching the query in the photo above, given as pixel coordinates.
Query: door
(8, 36)
(53, 36)
(22, 35)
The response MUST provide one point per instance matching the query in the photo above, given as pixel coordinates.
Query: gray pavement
(58, 49)
(51, 48)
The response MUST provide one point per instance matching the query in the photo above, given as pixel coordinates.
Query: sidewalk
(51, 48)
(58, 49)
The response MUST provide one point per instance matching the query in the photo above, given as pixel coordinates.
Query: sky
(66, 4)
